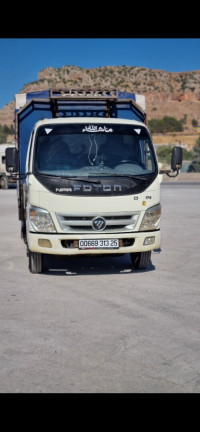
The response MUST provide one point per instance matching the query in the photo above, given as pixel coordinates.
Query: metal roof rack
(83, 94)
(98, 102)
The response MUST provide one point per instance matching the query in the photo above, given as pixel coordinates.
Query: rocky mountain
(167, 93)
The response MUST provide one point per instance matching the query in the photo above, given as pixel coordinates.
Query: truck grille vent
(121, 222)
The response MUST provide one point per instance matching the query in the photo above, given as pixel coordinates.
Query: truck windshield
(93, 150)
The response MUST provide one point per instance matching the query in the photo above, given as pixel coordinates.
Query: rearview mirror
(177, 157)
(12, 160)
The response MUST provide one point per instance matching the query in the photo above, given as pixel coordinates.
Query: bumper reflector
(149, 241)
(44, 243)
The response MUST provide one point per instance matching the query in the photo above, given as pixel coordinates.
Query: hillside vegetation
(174, 95)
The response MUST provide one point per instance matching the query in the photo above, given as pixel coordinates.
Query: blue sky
(23, 58)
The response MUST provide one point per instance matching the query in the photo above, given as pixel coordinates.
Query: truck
(5, 179)
(88, 181)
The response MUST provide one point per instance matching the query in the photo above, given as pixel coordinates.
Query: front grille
(81, 223)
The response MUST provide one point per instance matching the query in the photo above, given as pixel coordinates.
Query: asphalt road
(94, 325)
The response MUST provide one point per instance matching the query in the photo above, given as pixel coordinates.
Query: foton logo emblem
(98, 223)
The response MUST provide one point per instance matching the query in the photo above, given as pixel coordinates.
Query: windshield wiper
(71, 178)
(80, 179)
(135, 177)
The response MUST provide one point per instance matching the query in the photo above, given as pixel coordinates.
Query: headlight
(151, 218)
(41, 220)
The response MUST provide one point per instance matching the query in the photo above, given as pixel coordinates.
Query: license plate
(99, 244)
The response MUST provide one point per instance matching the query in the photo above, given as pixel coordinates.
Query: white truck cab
(90, 182)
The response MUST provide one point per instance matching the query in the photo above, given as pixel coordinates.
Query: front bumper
(61, 244)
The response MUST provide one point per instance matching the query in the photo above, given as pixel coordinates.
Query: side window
(146, 155)
(30, 148)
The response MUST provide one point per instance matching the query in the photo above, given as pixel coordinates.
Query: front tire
(35, 262)
(4, 183)
(141, 260)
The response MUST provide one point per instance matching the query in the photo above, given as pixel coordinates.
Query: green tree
(166, 124)
(164, 153)
(194, 123)
(172, 125)
(4, 132)
(3, 135)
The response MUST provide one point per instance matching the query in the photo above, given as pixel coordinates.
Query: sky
(22, 58)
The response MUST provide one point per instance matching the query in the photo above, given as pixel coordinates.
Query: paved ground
(97, 326)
